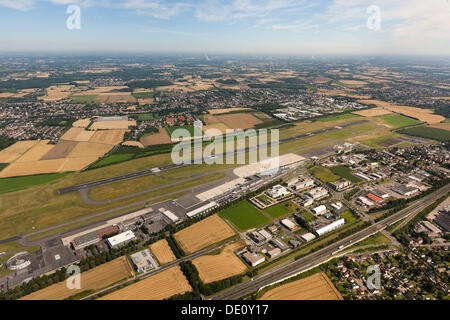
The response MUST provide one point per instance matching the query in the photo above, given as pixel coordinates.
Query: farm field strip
(94, 279)
(203, 234)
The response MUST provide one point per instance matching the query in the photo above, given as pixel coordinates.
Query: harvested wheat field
(82, 123)
(425, 115)
(17, 169)
(36, 152)
(160, 286)
(115, 97)
(118, 124)
(162, 251)
(14, 152)
(89, 149)
(220, 266)
(133, 144)
(239, 120)
(146, 101)
(77, 164)
(112, 137)
(210, 119)
(60, 150)
(77, 134)
(55, 93)
(158, 138)
(374, 112)
(203, 234)
(221, 127)
(315, 287)
(228, 110)
(353, 83)
(443, 126)
(94, 279)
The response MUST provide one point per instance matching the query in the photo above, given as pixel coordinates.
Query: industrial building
(317, 193)
(142, 261)
(274, 253)
(332, 226)
(121, 239)
(85, 240)
(253, 259)
(278, 191)
(308, 236)
(300, 183)
(406, 191)
(289, 224)
(340, 185)
(320, 210)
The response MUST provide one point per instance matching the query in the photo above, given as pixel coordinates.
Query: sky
(419, 27)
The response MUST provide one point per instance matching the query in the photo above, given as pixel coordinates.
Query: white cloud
(22, 5)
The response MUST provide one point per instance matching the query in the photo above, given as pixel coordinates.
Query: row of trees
(198, 287)
(176, 249)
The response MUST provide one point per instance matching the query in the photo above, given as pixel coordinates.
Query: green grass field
(308, 216)
(244, 216)
(323, 174)
(399, 121)
(143, 95)
(348, 216)
(344, 172)
(376, 239)
(19, 183)
(338, 117)
(170, 130)
(428, 133)
(83, 99)
(112, 159)
(144, 116)
(281, 209)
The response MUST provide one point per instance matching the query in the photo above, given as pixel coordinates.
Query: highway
(172, 166)
(287, 270)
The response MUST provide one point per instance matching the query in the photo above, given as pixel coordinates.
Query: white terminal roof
(201, 209)
(120, 238)
(171, 215)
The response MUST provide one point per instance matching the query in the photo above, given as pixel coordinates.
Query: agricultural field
(374, 112)
(95, 279)
(160, 286)
(428, 133)
(217, 126)
(344, 172)
(14, 152)
(162, 252)
(323, 174)
(227, 110)
(239, 120)
(244, 216)
(82, 123)
(203, 234)
(83, 99)
(19, 183)
(55, 93)
(215, 267)
(315, 287)
(77, 134)
(190, 129)
(157, 138)
(424, 115)
(118, 124)
(112, 159)
(442, 126)
(398, 121)
(281, 209)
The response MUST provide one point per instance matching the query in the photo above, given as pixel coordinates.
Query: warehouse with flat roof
(121, 239)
